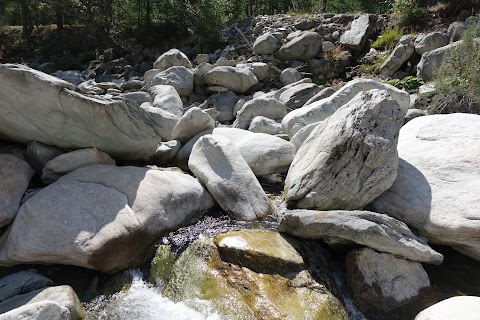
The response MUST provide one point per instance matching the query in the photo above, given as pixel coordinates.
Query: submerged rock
(238, 292)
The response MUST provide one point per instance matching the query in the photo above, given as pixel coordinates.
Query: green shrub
(410, 83)
(410, 15)
(388, 39)
(372, 67)
(460, 72)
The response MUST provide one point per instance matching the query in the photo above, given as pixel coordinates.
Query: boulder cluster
(93, 174)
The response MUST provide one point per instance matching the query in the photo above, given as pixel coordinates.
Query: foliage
(388, 39)
(410, 14)
(410, 83)
(371, 67)
(460, 72)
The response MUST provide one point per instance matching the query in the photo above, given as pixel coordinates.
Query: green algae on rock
(161, 265)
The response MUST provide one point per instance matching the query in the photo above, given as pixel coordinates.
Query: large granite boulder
(436, 190)
(430, 41)
(15, 175)
(360, 31)
(102, 217)
(322, 109)
(265, 44)
(350, 158)
(194, 121)
(218, 164)
(167, 98)
(48, 110)
(264, 154)
(251, 275)
(304, 47)
(172, 58)
(400, 54)
(381, 281)
(180, 78)
(233, 78)
(432, 60)
(460, 307)
(267, 107)
(374, 230)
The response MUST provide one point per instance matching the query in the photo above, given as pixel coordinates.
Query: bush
(410, 83)
(388, 39)
(460, 72)
(410, 15)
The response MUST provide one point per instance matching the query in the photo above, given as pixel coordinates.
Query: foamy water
(144, 301)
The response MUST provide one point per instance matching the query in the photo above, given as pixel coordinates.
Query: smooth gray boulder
(289, 76)
(381, 281)
(194, 121)
(67, 162)
(137, 96)
(296, 96)
(172, 58)
(166, 98)
(166, 152)
(218, 164)
(460, 307)
(224, 103)
(237, 79)
(259, 69)
(267, 107)
(200, 72)
(15, 175)
(322, 109)
(265, 44)
(400, 54)
(436, 190)
(264, 125)
(303, 48)
(324, 93)
(51, 112)
(22, 282)
(38, 154)
(165, 120)
(430, 41)
(360, 31)
(299, 138)
(50, 310)
(350, 158)
(264, 154)
(375, 230)
(432, 60)
(180, 78)
(102, 217)
(64, 295)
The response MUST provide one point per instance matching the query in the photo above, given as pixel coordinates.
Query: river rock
(303, 48)
(257, 249)
(322, 109)
(371, 229)
(194, 121)
(172, 58)
(51, 112)
(166, 152)
(265, 44)
(180, 78)
(350, 158)
(238, 292)
(70, 161)
(166, 121)
(218, 164)
(267, 107)
(299, 138)
(430, 41)
(360, 31)
(432, 60)
(296, 96)
(324, 93)
(38, 310)
(22, 282)
(259, 69)
(380, 281)
(102, 217)
(138, 96)
(167, 98)
(438, 178)
(238, 80)
(264, 154)
(200, 72)
(265, 125)
(400, 54)
(15, 175)
(62, 295)
(289, 76)
(224, 103)
(461, 307)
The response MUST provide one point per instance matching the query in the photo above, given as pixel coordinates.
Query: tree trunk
(26, 20)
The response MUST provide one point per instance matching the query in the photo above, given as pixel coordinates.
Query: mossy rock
(161, 265)
(118, 283)
(237, 292)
